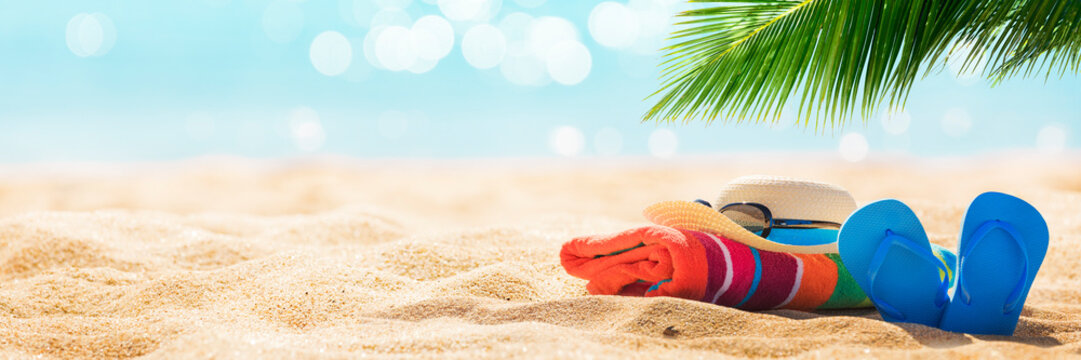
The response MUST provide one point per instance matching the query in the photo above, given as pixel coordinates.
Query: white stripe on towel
(795, 287)
(727, 268)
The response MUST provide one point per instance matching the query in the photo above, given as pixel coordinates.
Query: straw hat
(786, 198)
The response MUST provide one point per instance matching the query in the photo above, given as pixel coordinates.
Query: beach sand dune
(338, 258)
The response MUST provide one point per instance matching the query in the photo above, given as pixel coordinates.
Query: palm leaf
(747, 60)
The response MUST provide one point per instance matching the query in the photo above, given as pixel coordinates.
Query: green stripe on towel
(847, 293)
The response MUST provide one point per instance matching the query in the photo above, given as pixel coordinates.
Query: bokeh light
(484, 46)
(469, 10)
(359, 70)
(956, 122)
(608, 141)
(529, 51)
(283, 21)
(663, 143)
(356, 12)
(521, 68)
(896, 121)
(370, 40)
(432, 37)
(569, 62)
(541, 49)
(515, 26)
(415, 47)
(306, 129)
(1051, 139)
(613, 25)
(394, 48)
(547, 31)
(519, 65)
(331, 53)
(422, 65)
(490, 11)
(853, 147)
(655, 18)
(90, 34)
(566, 140)
(390, 17)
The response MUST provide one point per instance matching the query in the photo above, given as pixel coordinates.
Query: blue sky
(143, 81)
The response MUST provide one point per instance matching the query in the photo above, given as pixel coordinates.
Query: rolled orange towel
(665, 261)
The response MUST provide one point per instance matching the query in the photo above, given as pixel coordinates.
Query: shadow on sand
(1028, 332)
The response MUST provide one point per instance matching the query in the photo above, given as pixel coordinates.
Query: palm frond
(745, 60)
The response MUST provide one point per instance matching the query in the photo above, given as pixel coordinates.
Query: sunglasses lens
(747, 216)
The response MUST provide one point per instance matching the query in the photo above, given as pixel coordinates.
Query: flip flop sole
(906, 286)
(1002, 245)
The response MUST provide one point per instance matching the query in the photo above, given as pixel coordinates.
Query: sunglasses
(757, 219)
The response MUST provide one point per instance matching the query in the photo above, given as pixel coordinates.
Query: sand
(341, 258)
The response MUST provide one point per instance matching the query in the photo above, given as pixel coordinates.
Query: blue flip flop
(1002, 245)
(886, 249)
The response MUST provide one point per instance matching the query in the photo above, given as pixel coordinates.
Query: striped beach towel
(663, 261)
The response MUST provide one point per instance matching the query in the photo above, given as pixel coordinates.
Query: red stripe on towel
(778, 277)
(742, 273)
(716, 268)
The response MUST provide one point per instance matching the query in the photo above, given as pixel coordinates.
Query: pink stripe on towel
(743, 265)
(717, 265)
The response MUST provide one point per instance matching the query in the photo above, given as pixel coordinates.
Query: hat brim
(693, 216)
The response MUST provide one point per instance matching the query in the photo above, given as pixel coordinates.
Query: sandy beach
(344, 258)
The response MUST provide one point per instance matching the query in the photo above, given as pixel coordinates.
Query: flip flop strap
(890, 241)
(1013, 300)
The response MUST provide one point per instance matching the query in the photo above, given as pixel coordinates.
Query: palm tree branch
(743, 60)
